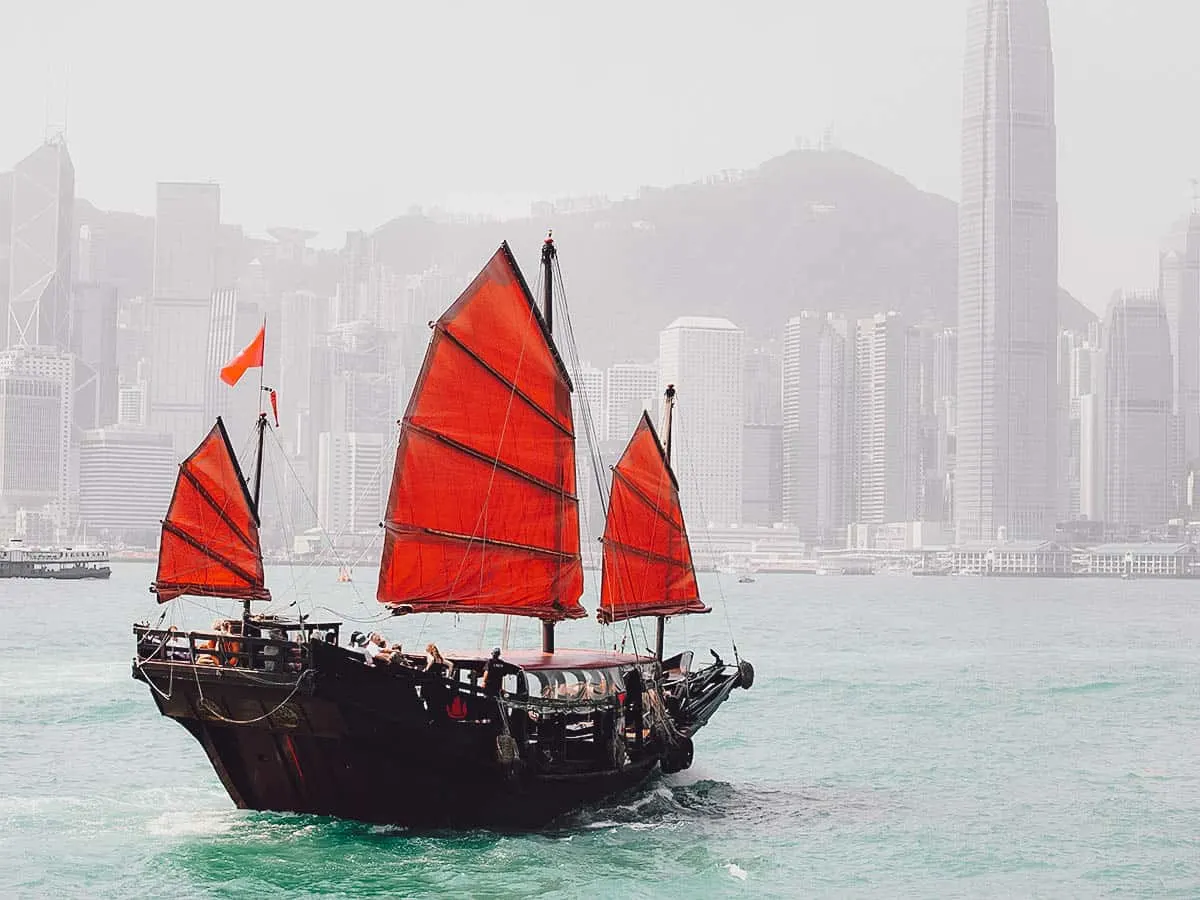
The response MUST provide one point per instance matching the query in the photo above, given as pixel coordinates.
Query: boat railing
(221, 649)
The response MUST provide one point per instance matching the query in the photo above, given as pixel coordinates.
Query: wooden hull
(360, 743)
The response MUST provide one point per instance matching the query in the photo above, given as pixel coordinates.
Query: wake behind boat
(481, 517)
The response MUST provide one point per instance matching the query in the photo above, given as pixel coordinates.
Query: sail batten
(482, 514)
(475, 454)
(516, 391)
(647, 567)
(210, 544)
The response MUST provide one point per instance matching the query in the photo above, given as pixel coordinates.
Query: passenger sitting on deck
(210, 659)
(494, 671)
(376, 650)
(436, 663)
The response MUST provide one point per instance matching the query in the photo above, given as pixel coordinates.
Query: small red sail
(210, 545)
(647, 569)
(482, 515)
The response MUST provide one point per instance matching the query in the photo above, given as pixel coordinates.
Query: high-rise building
(629, 390)
(352, 482)
(6, 183)
(816, 448)
(887, 421)
(131, 404)
(1140, 374)
(126, 475)
(1179, 288)
(36, 395)
(94, 343)
(703, 358)
(41, 248)
(1006, 465)
(186, 235)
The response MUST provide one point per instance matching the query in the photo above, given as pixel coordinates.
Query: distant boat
(746, 579)
(344, 575)
(67, 563)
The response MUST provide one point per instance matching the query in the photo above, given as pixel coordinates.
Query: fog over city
(927, 275)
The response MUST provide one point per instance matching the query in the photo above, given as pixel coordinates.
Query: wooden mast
(548, 257)
(668, 409)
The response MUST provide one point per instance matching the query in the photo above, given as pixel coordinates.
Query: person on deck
(376, 650)
(436, 663)
(494, 671)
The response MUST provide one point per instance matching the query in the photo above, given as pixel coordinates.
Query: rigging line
(595, 456)
(312, 508)
(682, 433)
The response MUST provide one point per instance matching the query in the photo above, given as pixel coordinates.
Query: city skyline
(1110, 225)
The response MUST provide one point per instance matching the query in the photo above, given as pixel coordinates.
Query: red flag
(250, 358)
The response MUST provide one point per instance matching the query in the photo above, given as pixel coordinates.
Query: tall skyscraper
(817, 467)
(1179, 288)
(41, 248)
(1138, 415)
(1005, 465)
(762, 437)
(186, 234)
(702, 357)
(887, 420)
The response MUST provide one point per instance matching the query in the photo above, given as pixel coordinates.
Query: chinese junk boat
(481, 518)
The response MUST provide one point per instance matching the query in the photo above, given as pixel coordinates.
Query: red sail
(482, 515)
(648, 567)
(210, 545)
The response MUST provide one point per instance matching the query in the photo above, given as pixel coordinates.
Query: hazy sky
(342, 121)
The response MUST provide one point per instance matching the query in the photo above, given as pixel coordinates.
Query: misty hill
(823, 230)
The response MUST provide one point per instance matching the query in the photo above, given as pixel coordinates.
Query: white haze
(341, 117)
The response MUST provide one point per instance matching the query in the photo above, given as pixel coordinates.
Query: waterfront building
(126, 475)
(1011, 558)
(703, 358)
(1151, 560)
(1006, 461)
(36, 413)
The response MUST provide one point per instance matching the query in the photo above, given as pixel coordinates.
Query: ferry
(17, 561)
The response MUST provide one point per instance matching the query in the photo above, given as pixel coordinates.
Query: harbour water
(906, 737)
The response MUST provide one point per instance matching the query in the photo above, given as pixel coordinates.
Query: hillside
(807, 230)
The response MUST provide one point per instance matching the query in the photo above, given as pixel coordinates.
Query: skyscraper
(1179, 288)
(702, 357)
(887, 420)
(125, 479)
(629, 389)
(186, 233)
(1138, 415)
(1005, 465)
(817, 471)
(36, 396)
(40, 249)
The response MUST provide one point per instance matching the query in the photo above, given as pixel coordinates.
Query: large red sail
(482, 515)
(648, 567)
(210, 545)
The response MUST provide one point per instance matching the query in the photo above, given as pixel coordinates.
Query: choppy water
(906, 737)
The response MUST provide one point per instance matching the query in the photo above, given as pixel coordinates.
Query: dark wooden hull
(359, 743)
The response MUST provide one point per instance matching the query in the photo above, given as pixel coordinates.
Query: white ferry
(18, 561)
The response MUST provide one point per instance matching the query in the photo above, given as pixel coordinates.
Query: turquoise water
(906, 737)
